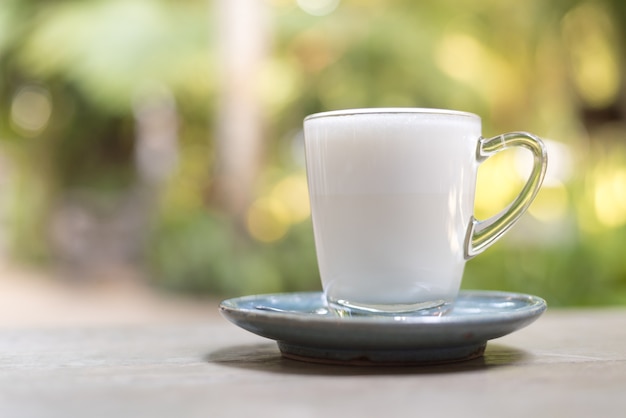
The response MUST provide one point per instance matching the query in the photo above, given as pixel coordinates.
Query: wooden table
(570, 363)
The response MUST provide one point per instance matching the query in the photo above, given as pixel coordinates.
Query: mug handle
(481, 234)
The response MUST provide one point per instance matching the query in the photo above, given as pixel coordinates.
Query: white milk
(392, 195)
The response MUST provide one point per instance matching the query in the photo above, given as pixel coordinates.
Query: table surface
(569, 363)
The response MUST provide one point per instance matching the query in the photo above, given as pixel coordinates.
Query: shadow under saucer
(267, 357)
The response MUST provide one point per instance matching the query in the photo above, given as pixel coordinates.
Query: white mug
(392, 199)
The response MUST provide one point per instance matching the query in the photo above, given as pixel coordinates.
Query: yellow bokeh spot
(610, 198)
(497, 185)
(278, 84)
(593, 55)
(293, 193)
(466, 59)
(550, 204)
(461, 57)
(268, 219)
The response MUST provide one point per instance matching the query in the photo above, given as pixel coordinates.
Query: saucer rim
(534, 306)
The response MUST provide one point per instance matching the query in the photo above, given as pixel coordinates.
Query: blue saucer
(306, 329)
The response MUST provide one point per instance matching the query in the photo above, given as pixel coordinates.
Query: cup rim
(391, 110)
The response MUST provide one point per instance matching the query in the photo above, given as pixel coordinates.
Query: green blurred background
(165, 135)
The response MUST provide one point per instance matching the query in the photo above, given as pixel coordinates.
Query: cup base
(343, 307)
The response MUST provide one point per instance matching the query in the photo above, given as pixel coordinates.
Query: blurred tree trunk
(243, 46)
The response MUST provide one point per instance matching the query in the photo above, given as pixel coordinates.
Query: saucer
(305, 329)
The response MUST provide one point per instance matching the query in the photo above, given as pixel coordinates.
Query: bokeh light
(268, 219)
(318, 7)
(31, 109)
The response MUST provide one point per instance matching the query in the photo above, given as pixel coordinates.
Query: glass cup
(392, 199)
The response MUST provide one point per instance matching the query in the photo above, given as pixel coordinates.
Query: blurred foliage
(74, 71)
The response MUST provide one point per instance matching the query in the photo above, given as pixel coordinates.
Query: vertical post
(242, 27)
